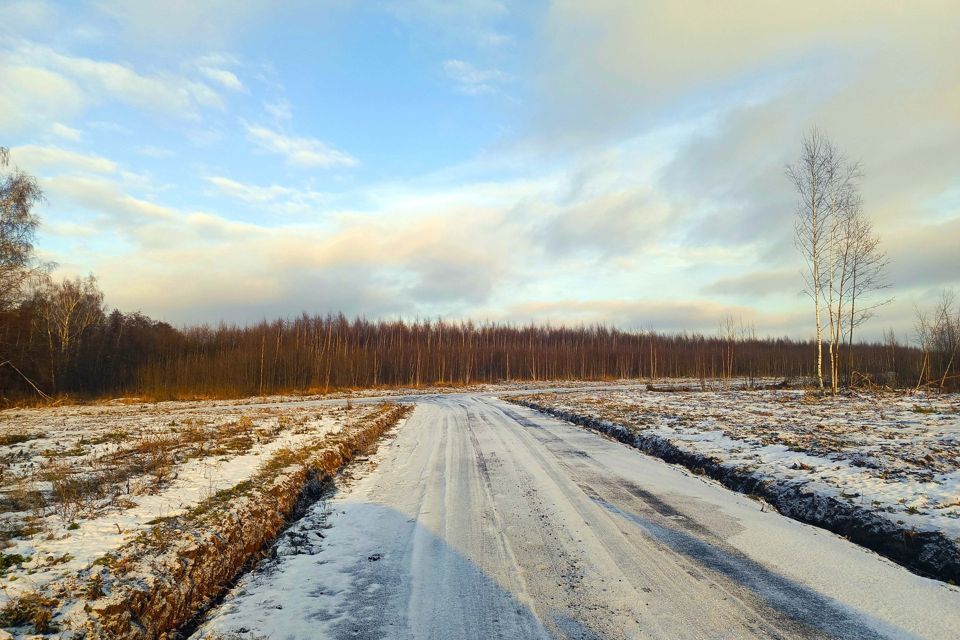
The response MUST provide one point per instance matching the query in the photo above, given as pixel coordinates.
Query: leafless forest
(121, 354)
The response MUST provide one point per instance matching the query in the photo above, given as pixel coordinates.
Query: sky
(614, 161)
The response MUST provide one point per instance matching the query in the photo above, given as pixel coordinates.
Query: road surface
(482, 519)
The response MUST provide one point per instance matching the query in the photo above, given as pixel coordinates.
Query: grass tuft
(29, 609)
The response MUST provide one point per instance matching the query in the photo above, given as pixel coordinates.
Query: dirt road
(486, 520)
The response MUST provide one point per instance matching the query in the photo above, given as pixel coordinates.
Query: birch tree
(65, 311)
(844, 261)
(868, 274)
(844, 207)
(19, 193)
(813, 176)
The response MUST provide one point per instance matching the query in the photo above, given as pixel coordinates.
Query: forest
(119, 354)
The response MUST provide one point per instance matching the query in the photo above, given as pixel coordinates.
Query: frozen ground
(485, 519)
(896, 455)
(79, 482)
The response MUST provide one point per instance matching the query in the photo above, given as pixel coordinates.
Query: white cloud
(605, 65)
(67, 133)
(224, 78)
(110, 127)
(38, 84)
(704, 214)
(617, 222)
(70, 230)
(274, 198)
(249, 193)
(32, 97)
(755, 284)
(657, 314)
(396, 262)
(145, 223)
(281, 111)
(472, 81)
(46, 160)
(165, 92)
(304, 152)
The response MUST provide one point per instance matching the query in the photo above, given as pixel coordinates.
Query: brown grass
(29, 609)
(8, 439)
(205, 547)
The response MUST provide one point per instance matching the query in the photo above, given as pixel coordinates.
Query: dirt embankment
(929, 553)
(158, 582)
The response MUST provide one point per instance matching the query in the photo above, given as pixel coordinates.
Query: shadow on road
(814, 614)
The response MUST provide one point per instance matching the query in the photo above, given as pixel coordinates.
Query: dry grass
(115, 473)
(8, 439)
(208, 544)
(29, 609)
(95, 472)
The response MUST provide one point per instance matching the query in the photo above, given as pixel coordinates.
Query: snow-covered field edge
(929, 553)
(156, 583)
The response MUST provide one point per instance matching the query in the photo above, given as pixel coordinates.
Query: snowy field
(79, 482)
(895, 454)
(82, 486)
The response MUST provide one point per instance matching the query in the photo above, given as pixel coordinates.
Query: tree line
(58, 338)
(130, 355)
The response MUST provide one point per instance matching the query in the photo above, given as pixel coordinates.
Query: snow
(484, 519)
(897, 455)
(483, 516)
(207, 452)
(206, 446)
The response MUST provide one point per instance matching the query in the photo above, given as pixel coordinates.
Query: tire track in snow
(488, 520)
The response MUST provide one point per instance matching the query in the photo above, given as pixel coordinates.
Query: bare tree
(65, 311)
(19, 193)
(814, 176)
(923, 330)
(728, 335)
(948, 335)
(939, 337)
(844, 207)
(868, 274)
(844, 261)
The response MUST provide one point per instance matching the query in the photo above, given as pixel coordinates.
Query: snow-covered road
(488, 520)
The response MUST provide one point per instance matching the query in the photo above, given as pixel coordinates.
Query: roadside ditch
(927, 553)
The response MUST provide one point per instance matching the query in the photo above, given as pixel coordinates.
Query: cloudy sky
(615, 160)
